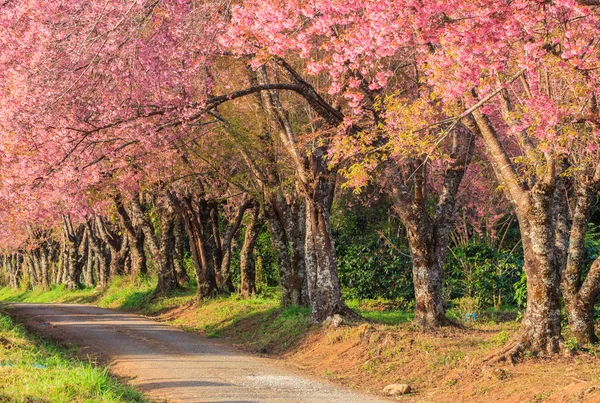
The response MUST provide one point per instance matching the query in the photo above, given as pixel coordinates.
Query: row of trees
(125, 121)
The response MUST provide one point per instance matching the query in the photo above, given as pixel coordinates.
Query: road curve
(171, 365)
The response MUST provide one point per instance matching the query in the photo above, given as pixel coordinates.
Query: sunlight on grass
(379, 311)
(259, 323)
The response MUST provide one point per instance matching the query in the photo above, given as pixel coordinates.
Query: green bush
(478, 270)
(373, 258)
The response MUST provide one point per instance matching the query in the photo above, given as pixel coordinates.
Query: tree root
(510, 353)
(514, 350)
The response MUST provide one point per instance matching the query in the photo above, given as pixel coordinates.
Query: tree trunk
(580, 308)
(73, 237)
(182, 275)
(429, 236)
(428, 279)
(161, 247)
(117, 245)
(167, 278)
(44, 266)
(88, 273)
(102, 257)
(199, 233)
(321, 266)
(535, 207)
(580, 294)
(224, 277)
(540, 328)
(247, 261)
(287, 225)
(139, 264)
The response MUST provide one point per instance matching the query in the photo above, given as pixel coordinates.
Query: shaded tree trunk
(178, 259)
(117, 245)
(73, 237)
(581, 294)
(196, 217)
(139, 265)
(287, 224)
(101, 255)
(224, 277)
(88, 273)
(317, 181)
(161, 247)
(247, 261)
(167, 277)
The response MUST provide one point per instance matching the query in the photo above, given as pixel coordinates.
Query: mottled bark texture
(539, 212)
(317, 181)
(580, 294)
(323, 285)
(247, 260)
(286, 219)
(139, 264)
(225, 244)
(196, 216)
(428, 236)
(73, 237)
(160, 241)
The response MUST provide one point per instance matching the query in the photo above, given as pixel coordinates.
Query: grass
(377, 311)
(446, 362)
(35, 370)
(257, 324)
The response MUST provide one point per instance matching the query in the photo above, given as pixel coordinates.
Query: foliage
(592, 242)
(373, 260)
(477, 270)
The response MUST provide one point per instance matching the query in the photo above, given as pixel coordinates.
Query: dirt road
(169, 364)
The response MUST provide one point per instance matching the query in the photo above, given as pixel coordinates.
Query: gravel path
(169, 364)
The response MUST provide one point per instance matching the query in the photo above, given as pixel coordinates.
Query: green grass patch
(36, 370)
(58, 294)
(258, 323)
(380, 311)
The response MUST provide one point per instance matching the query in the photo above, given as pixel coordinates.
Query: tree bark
(88, 273)
(101, 255)
(321, 266)
(224, 277)
(178, 259)
(139, 264)
(540, 329)
(117, 245)
(196, 216)
(161, 247)
(247, 261)
(286, 219)
(429, 236)
(580, 294)
(318, 184)
(73, 237)
(167, 278)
